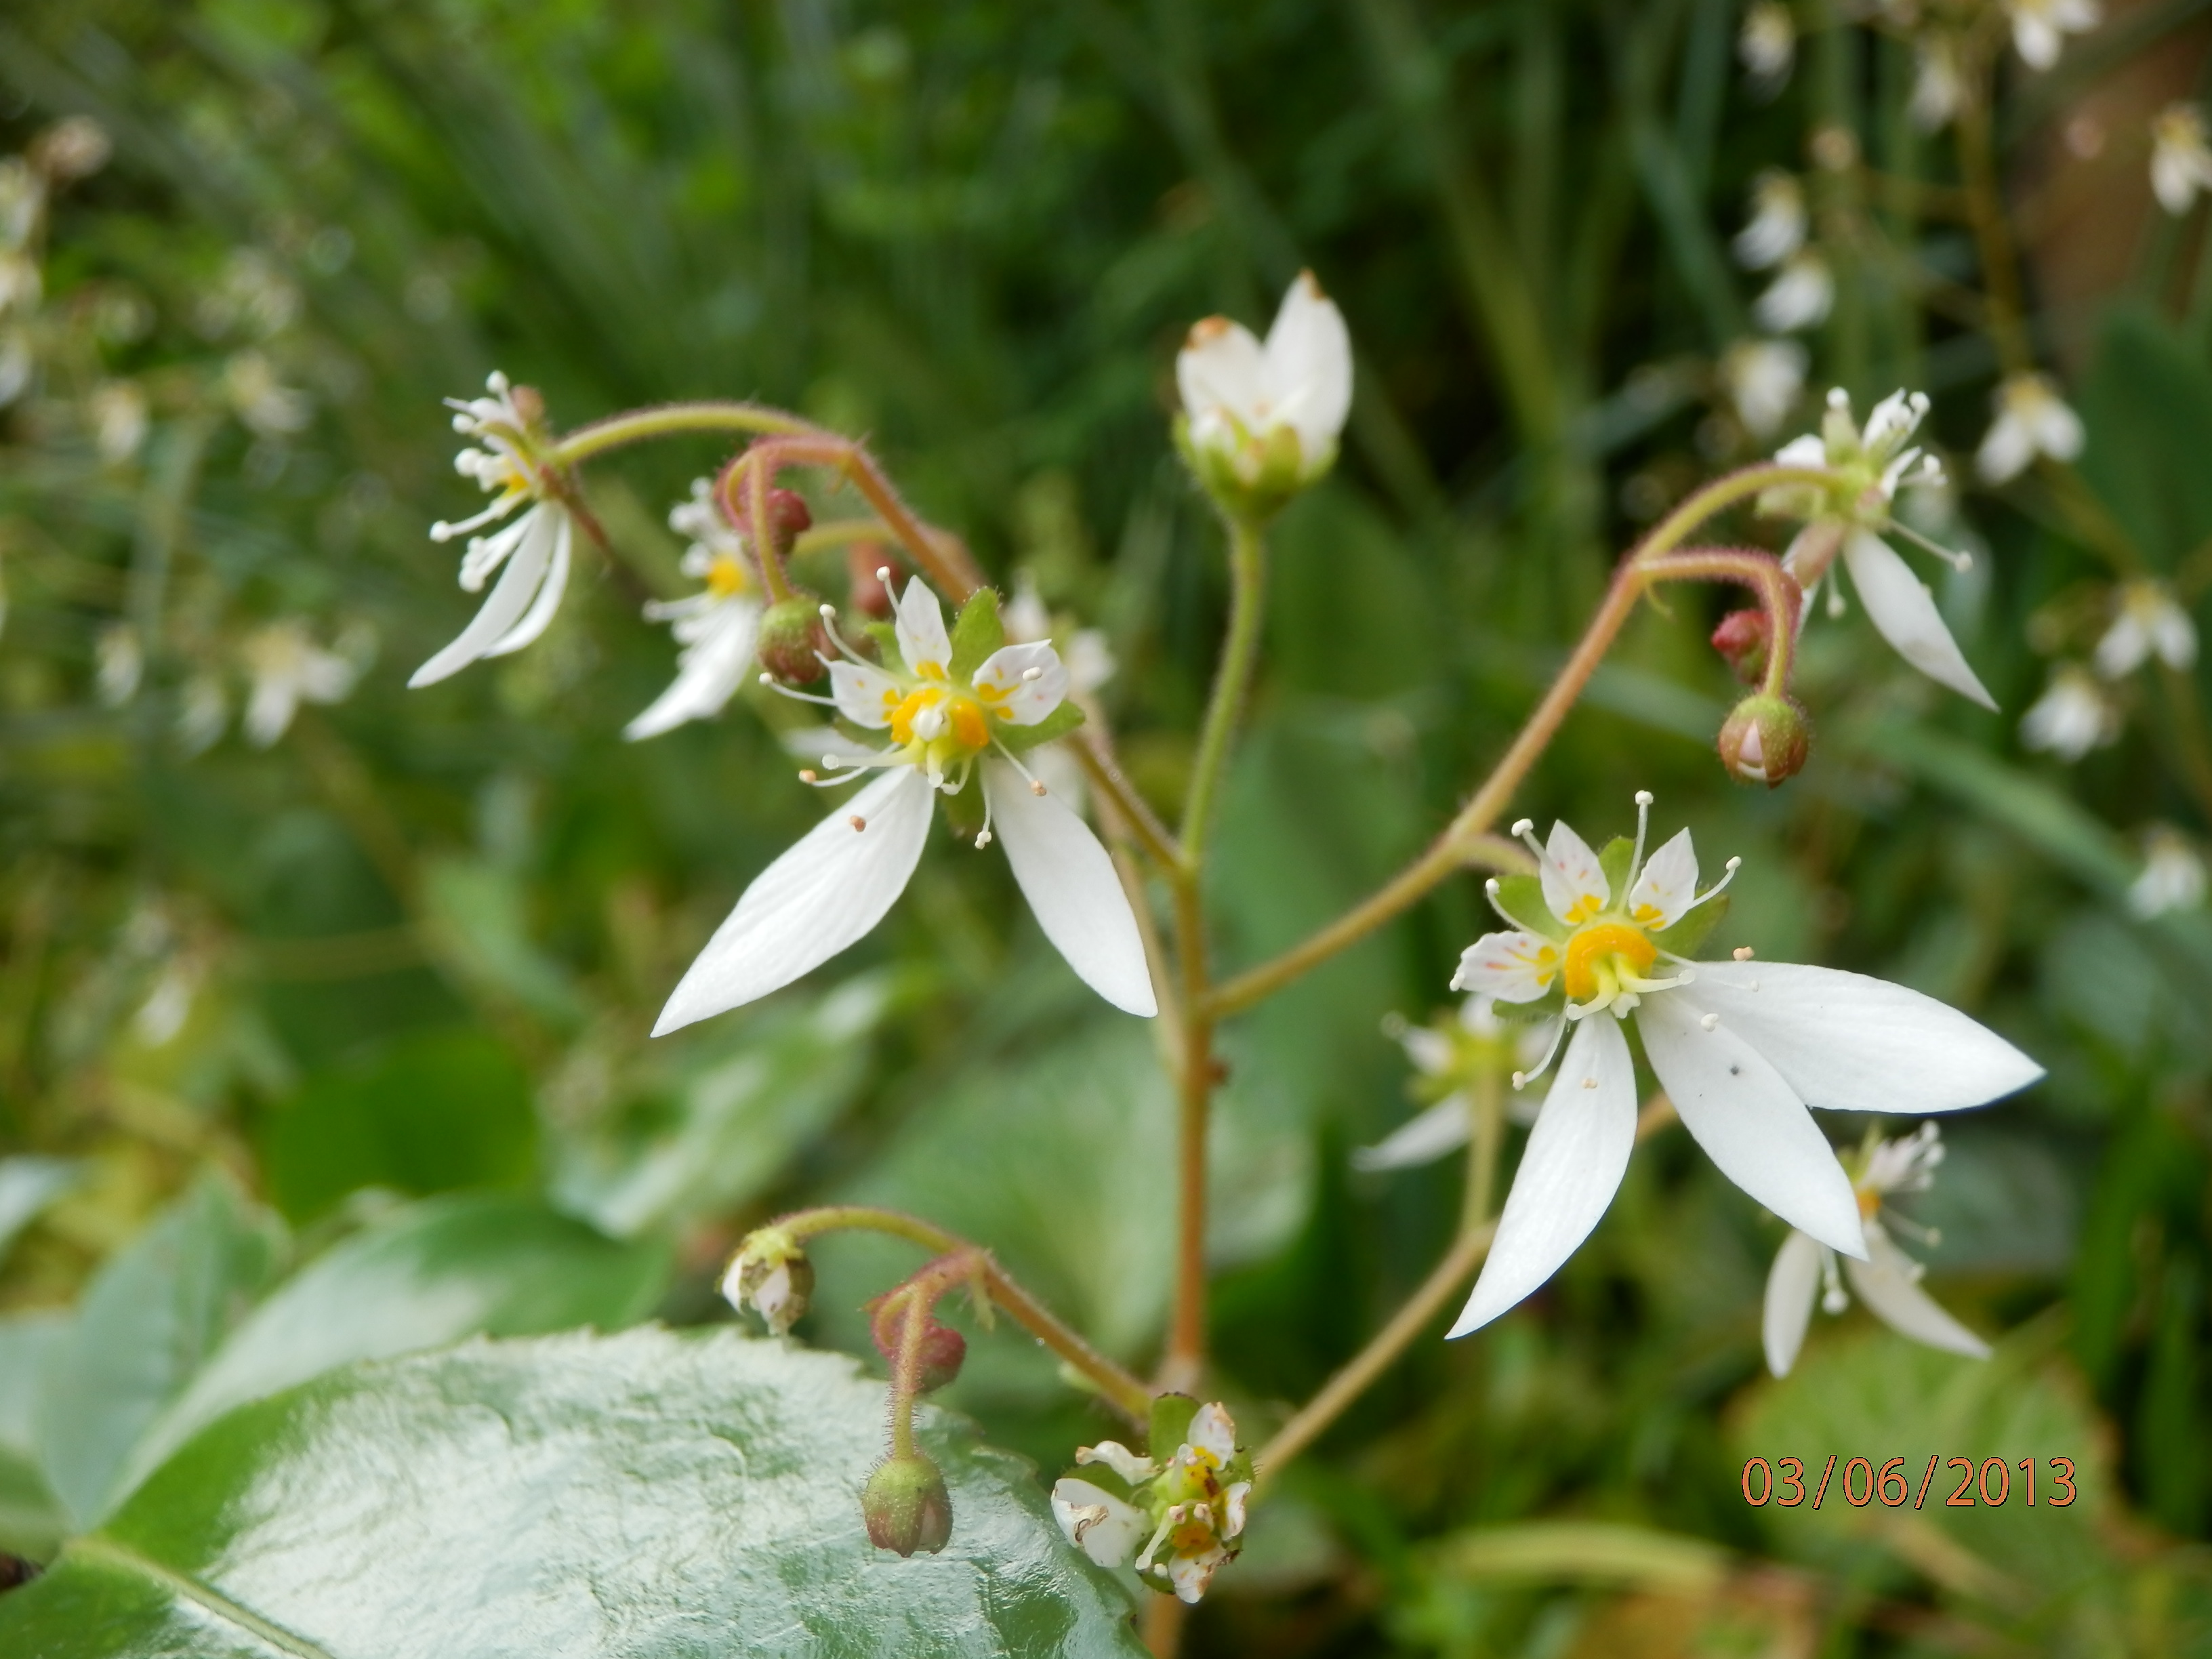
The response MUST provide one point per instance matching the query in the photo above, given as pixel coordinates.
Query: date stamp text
(1989, 1484)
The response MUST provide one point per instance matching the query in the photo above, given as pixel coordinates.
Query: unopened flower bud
(788, 515)
(1742, 638)
(791, 640)
(1765, 739)
(907, 1506)
(771, 1275)
(943, 1349)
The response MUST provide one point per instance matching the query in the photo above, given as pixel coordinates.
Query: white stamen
(883, 574)
(1491, 890)
(1635, 859)
(1522, 826)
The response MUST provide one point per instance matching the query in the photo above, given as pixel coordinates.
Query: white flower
(2180, 160)
(837, 883)
(118, 664)
(1741, 1048)
(1938, 88)
(2148, 621)
(117, 412)
(1777, 224)
(1800, 296)
(22, 284)
(1764, 380)
(2073, 715)
(534, 549)
(2172, 877)
(2033, 420)
(1850, 517)
(1767, 43)
(1887, 1280)
(1188, 1510)
(288, 668)
(2040, 28)
(22, 200)
(271, 408)
(1244, 401)
(1449, 1057)
(717, 628)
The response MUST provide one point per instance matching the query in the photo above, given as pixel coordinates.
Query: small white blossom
(1245, 402)
(2033, 420)
(287, 668)
(717, 628)
(75, 147)
(1448, 1058)
(1800, 295)
(117, 412)
(1887, 1280)
(2148, 621)
(2073, 715)
(1938, 87)
(1188, 1512)
(2040, 28)
(1767, 44)
(1764, 379)
(1742, 1049)
(2180, 158)
(1777, 224)
(2172, 876)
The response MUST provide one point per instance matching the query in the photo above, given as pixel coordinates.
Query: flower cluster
(1176, 1520)
(2079, 711)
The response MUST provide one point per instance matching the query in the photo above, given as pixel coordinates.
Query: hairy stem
(671, 420)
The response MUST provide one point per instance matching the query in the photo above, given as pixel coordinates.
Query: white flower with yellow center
(717, 628)
(1188, 1512)
(1263, 420)
(949, 718)
(2033, 420)
(2074, 715)
(2180, 158)
(1741, 1048)
(2040, 28)
(530, 554)
(2148, 621)
(1852, 513)
(287, 668)
(1887, 1280)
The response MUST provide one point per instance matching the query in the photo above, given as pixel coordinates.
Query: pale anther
(1743, 953)
(808, 775)
(1644, 798)
(1711, 1022)
(1522, 826)
(883, 574)
(1036, 786)
(1589, 1083)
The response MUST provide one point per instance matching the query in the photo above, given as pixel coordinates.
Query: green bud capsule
(791, 640)
(1765, 739)
(907, 1506)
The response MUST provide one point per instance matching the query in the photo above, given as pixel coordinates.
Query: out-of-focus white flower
(2033, 420)
(1800, 296)
(22, 201)
(1188, 1510)
(1853, 513)
(1741, 1048)
(253, 294)
(2180, 158)
(1938, 88)
(272, 408)
(1451, 1059)
(1089, 660)
(717, 628)
(163, 1014)
(202, 713)
(1767, 43)
(118, 664)
(2172, 876)
(1764, 379)
(1777, 224)
(117, 412)
(2148, 622)
(287, 668)
(2040, 28)
(74, 146)
(1266, 418)
(2073, 715)
(1887, 1280)
(16, 364)
(22, 284)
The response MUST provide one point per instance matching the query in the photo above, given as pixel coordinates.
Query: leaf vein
(107, 1552)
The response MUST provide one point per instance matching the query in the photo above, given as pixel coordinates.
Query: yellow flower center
(726, 576)
(1597, 956)
(1869, 1201)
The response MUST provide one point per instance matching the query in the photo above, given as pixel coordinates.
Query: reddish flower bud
(907, 1506)
(943, 1349)
(1765, 739)
(1742, 638)
(792, 639)
(788, 516)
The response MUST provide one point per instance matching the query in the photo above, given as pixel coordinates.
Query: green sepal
(1619, 853)
(887, 646)
(1684, 938)
(1058, 724)
(1521, 898)
(1101, 1475)
(1171, 1415)
(976, 633)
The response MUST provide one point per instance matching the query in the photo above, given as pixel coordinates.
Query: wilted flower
(1852, 514)
(1261, 422)
(1451, 1058)
(2073, 715)
(2040, 28)
(534, 550)
(1938, 88)
(1779, 221)
(1764, 380)
(2180, 158)
(1887, 1280)
(2033, 420)
(1767, 43)
(716, 627)
(288, 668)
(2148, 623)
(771, 1275)
(1188, 1510)
(1800, 296)
(951, 710)
(2172, 876)
(1741, 1048)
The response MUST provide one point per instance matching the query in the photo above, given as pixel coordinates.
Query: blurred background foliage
(335, 1047)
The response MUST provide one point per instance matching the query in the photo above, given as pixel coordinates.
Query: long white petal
(510, 596)
(1569, 1172)
(1904, 613)
(1888, 1283)
(828, 889)
(1103, 1526)
(1791, 1288)
(1749, 1120)
(708, 673)
(1422, 1139)
(1070, 883)
(1846, 1042)
(540, 617)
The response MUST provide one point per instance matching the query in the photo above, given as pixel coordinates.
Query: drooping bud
(943, 1350)
(791, 640)
(1765, 739)
(1742, 638)
(771, 1275)
(907, 1506)
(788, 516)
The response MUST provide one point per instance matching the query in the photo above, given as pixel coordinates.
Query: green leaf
(424, 1276)
(976, 633)
(656, 1495)
(149, 1319)
(31, 1519)
(481, 911)
(434, 1112)
(1058, 724)
(1170, 1424)
(27, 1185)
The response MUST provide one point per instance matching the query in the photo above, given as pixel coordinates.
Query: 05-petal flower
(1847, 1042)
(1576, 1157)
(1792, 1287)
(1070, 884)
(1904, 612)
(1023, 683)
(1888, 1282)
(1750, 1122)
(826, 891)
(1512, 967)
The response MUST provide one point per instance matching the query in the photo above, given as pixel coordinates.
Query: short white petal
(824, 893)
(1510, 967)
(919, 627)
(708, 672)
(1847, 1042)
(866, 696)
(1212, 1430)
(540, 617)
(1667, 884)
(1131, 1466)
(1222, 367)
(1574, 881)
(1749, 1120)
(1309, 354)
(1423, 1140)
(1569, 1172)
(1904, 612)
(1888, 1282)
(1026, 701)
(1791, 1288)
(1070, 884)
(1105, 1527)
(509, 598)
